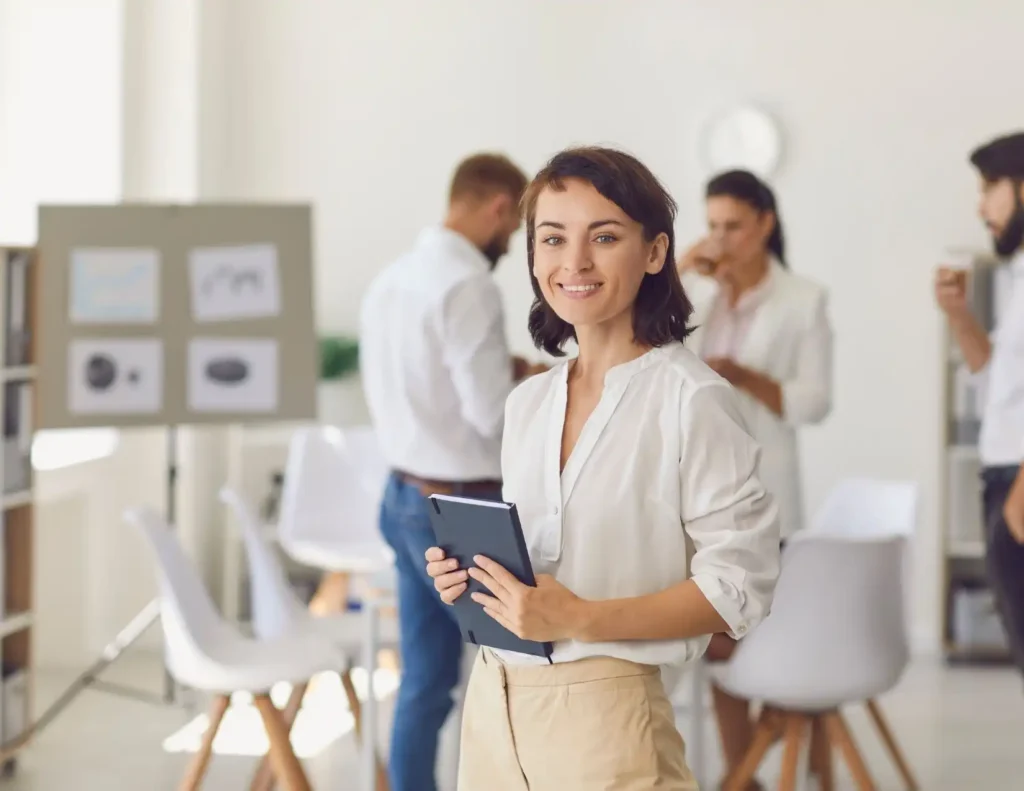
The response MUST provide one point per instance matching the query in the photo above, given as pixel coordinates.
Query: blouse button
(554, 510)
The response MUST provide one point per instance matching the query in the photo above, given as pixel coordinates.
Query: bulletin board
(153, 315)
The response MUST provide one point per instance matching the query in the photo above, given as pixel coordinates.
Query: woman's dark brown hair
(662, 310)
(744, 186)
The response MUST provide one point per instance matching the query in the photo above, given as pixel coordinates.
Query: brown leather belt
(428, 486)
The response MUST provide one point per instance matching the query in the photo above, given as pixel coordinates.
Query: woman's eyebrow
(591, 227)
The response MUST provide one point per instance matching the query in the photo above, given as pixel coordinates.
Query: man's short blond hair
(482, 175)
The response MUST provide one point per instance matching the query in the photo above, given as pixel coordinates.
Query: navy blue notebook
(465, 528)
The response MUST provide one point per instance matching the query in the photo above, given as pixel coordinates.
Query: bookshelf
(17, 397)
(971, 629)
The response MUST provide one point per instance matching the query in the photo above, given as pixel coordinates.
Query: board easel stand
(173, 232)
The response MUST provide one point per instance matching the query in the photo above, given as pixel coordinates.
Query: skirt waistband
(598, 668)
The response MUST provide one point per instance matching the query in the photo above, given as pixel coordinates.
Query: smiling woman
(637, 486)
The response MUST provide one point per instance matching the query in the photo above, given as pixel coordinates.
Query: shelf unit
(972, 632)
(17, 398)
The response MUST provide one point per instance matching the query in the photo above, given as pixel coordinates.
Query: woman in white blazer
(767, 331)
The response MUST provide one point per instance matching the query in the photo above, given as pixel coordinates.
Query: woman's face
(740, 230)
(589, 256)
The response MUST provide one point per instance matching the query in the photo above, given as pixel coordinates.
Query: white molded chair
(836, 635)
(277, 612)
(334, 481)
(207, 653)
(330, 519)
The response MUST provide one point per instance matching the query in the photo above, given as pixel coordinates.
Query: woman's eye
(605, 238)
(551, 241)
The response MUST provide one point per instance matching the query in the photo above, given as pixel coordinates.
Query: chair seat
(370, 557)
(799, 700)
(347, 631)
(823, 691)
(232, 662)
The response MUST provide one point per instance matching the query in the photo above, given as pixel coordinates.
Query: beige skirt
(594, 725)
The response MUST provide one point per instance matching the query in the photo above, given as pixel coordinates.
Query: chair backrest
(276, 609)
(867, 507)
(334, 482)
(190, 620)
(362, 450)
(836, 631)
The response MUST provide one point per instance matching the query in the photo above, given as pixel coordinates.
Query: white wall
(60, 141)
(364, 108)
(60, 138)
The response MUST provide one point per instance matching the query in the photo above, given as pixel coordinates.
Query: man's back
(436, 372)
(435, 363)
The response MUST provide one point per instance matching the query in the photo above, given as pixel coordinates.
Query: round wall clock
(742, 137)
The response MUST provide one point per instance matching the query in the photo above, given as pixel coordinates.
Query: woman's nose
(578, 260)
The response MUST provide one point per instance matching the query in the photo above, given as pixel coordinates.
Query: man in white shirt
(999, 362)
(436, 370)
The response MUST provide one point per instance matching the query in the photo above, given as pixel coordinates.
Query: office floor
(961, 730)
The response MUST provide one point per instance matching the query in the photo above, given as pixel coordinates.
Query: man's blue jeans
(431, 644)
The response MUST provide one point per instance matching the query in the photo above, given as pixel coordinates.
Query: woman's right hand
(449, 580)
(702, 257)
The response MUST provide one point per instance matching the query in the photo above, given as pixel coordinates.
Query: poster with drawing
(115, 376)
(114, 286)
(232, 375)
(231, 283)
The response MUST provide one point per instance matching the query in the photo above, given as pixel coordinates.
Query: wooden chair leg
(821, 755)
(890, 743)
(354, 704)
(197, 768)
(286, 766)
(842, 739)
(795, 724)
(764, 736)
(332, 594)
(264, 779)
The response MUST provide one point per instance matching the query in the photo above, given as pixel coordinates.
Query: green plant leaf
(339, 357)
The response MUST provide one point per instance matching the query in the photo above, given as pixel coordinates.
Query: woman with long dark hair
(766, 330)
(636, 485)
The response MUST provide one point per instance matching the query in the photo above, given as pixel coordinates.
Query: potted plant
(339, 394)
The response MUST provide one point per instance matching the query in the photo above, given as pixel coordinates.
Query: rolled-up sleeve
(727, 513)
(807, 396)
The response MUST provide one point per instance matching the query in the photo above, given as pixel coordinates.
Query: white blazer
(790, 340)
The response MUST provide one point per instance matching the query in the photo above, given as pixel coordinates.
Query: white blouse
(661, 486)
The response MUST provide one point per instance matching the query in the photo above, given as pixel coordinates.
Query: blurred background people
(767, 331)
(436, 371)
(999, 364)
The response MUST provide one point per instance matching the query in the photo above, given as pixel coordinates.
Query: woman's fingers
(450, 580)
(499, 573)
(434, 554)
(497, 616)
(449, 595)
(488, 601)
(438, 568)
(489, 582)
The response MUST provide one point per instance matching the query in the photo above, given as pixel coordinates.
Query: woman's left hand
(547, 613)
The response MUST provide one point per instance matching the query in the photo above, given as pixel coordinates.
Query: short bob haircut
(662, 310)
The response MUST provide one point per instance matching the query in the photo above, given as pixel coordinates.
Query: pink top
(726, 328)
